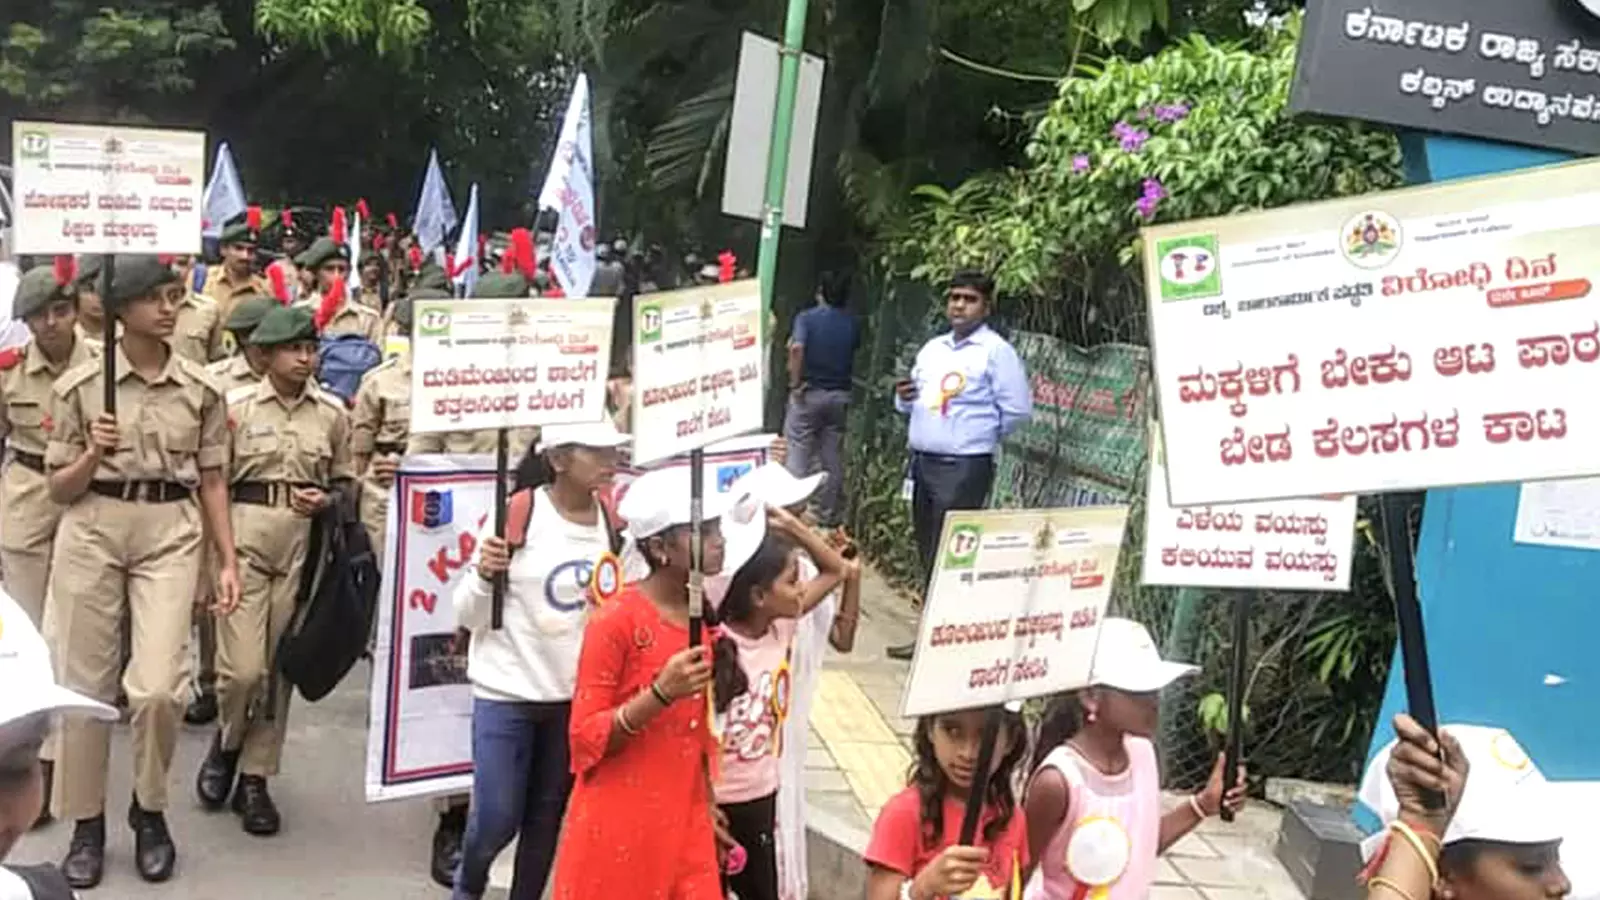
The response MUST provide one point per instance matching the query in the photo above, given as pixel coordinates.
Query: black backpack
(337, 602)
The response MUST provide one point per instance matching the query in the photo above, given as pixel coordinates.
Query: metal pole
(108, 331)
(1408, 621)
(980, 779)
(794, 38)
(501, 451)
(1236, 688)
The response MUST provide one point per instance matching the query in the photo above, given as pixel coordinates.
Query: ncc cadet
(331, 262)
(200, 320)
(381, 424)
(291, 454)
(46, 301)
(235, 279)
(448, 834)
(136, 484)
(247, 367)
(91, 310)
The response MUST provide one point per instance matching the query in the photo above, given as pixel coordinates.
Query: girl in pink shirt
(758, 609)
(1095, 825)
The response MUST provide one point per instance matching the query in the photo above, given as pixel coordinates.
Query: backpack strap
(519, 512)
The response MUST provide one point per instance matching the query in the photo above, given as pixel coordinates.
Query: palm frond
(682, 149)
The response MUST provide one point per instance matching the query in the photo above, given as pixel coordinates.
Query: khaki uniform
(352, 318)
(31, 516)
(138, 555)
(277, 445)
(199, 334)
(227, 292)
(379, 426)
(466, 442)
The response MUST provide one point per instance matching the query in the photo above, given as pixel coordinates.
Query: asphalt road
(334, 845)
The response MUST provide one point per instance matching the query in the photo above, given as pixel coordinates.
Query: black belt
(142, 491)
(264, 493)
(397, 448)
(27, 460)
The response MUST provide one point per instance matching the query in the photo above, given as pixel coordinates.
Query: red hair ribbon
(337, 229)
(66, 270)
(252, 218)
(725, 263)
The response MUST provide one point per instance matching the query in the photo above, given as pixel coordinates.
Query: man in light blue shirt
(968, 390)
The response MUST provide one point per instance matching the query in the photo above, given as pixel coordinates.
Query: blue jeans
(520, 782)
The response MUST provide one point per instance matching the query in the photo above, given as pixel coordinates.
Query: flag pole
(794, 36)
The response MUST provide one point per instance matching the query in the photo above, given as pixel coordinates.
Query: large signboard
(479, 364)
(1437, 336)
(419, 742)
(697, 362)
(107, 189)
(1014, 606)
(1523, 71)
(1286, 545)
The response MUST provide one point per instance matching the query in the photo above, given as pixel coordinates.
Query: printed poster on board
(419, 741)
(1431, 337)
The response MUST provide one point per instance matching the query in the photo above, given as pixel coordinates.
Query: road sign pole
(794, 36)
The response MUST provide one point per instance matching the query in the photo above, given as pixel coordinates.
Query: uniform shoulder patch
(218, 368)
(10, 357)
(329, 399)
(240, 394)
(74, 377)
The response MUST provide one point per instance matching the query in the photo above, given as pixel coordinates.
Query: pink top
(1111, 832)
(751, 727)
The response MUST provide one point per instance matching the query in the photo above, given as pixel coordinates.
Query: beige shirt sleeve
(343, 467)
(216, 439)
(428, 442)
(69, 436)
(364, 419)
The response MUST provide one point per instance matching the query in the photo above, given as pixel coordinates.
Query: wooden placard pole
(1237, 684)
(108, 331)
(497, 609)
(1401, 572)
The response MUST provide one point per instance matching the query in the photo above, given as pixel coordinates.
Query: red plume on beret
(725, 263)
(288, 218)
(394, 223)
(337, 229)
(66, 270)
(280, 282)
(364, 211)
(414, 257)
(252, 218)
(329, 307)
(521, 254)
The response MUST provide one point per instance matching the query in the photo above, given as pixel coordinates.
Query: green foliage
(391, 26)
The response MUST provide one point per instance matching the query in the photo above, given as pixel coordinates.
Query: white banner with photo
(419, 739)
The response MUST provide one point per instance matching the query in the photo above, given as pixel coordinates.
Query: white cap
(776, 487)
(659, 499)
(1506, 798)
(744, 527)
(583, 434)
(1126, 659)
(29, 679)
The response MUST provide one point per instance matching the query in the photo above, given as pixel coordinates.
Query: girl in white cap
(557, 535)
(761, 598)
(1498, 837)
(1095, 825)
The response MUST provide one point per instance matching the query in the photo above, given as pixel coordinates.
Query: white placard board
(1559, 514)
(1285, 545)
(1014, 606)
(697, 368)
(755, 101)
(485, 364)
(107, 189)
(1436, 336)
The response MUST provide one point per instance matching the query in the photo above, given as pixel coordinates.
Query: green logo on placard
(961, 550)
(649, 323)
(433, 321)
(34, 145)
(1191, 267)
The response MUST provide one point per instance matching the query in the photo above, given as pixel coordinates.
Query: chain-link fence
(1318, 662)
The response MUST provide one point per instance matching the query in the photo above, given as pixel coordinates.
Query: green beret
(431, 276)
(89, 272)
(138, 276)
(284, 325)
(237, 230)
(249, 313)
(500, 286)
(322, 251)
(36, 290)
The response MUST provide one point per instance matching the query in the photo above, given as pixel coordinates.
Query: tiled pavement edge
(858, 753)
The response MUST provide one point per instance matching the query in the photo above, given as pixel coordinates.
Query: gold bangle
(1378, 881)
(1415, 840)
(624, 724)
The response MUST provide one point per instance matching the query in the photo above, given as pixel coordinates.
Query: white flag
(352, 281)
(436, 213)
(569, 189)
(224, 197)
(465, 274)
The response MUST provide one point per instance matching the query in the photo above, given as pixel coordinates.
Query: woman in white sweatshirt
(557, 535)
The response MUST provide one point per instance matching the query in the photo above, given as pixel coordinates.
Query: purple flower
(1154, 189)
(1147, 206)
(1129, 137)
(1173, 113)
(1080, 164)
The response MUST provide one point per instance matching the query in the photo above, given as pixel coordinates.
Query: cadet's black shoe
(257, 813)
(48, 775)
(85, 862)
(447, 838)
(215, 780)
(153, 851)
(902, 652)
(203, 711)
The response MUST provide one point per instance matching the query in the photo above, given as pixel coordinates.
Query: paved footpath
(334, 846)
